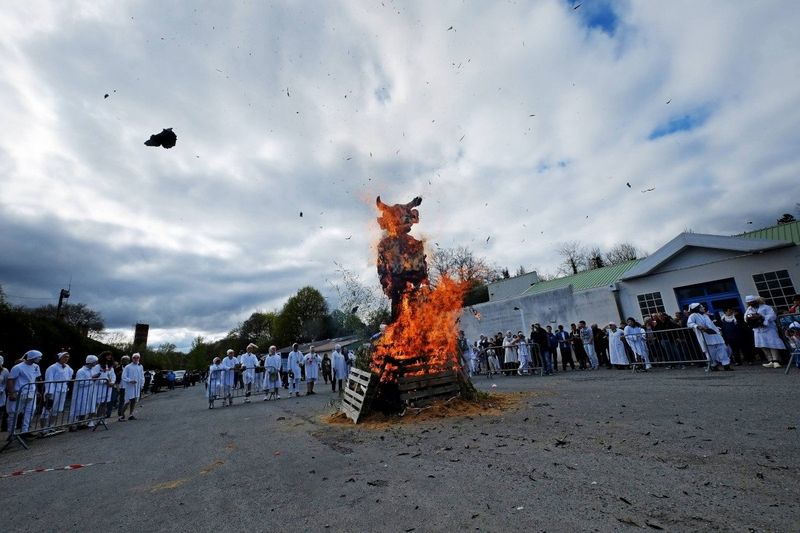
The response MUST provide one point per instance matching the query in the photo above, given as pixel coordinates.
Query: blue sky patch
(686, 122)
(596, 14)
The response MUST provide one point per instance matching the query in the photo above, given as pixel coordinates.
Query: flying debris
(348, 237)
(105, 95)
(648, 190)
(628, 184)
(301, 214)
(166, 138)
(462, 138)
(531, 115)
(354, 310)
(576, 7)
(668, 101)
(475, 313)
(450, 28)
(349, 158)
(487, 238)
(287, 93)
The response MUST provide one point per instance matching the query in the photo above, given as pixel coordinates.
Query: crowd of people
(247, 370)
(30, 399)
(692, 336)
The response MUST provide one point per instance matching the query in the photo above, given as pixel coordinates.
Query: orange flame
(425, 335)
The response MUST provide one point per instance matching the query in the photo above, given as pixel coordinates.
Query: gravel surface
(677, 450)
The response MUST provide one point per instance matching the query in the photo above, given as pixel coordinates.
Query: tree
(521, 271)
(574, 257)
(303, 318)
(623, 252)
(461, 264)
(3, 302)
(594, 258)
(787, 218)
(258, 328)
(77, 315)
(356, 297)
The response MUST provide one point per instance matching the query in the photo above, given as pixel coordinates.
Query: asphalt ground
(673, 450)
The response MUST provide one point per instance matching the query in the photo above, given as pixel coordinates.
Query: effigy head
(397, 219)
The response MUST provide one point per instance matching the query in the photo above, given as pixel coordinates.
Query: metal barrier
(46, 408)
(228, 384)
(484, 361)
(670, 347)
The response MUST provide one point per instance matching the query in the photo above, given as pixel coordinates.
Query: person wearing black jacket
(539, 337)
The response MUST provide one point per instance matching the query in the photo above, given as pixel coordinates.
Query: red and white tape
(76, 466)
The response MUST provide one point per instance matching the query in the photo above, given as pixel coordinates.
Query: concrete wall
(559, 306)
(511, 287)
(697, 265)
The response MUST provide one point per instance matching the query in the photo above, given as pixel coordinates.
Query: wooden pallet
(358, 394)
(422, 389)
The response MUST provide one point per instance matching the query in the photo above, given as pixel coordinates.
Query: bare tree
(574, 257)
(358, 298)
(461, 264)
(521, 271)
(622, 252)
(594, 258)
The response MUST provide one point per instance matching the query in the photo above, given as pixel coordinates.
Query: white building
(716, 270)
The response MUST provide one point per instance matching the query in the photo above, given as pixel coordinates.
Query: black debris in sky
(301, 214)
(628, 184)
(105, 95)
(166, 138)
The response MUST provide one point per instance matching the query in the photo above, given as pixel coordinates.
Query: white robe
(339, 365)
(214, 381)
(132, 372)
(312, 361)
(273, 361)
(83, 395)
(294, 362)
(766, 336)
(104, 386)
(616, 349)
(227, 365)
(249, 363)
(511, 350)
(635, 338)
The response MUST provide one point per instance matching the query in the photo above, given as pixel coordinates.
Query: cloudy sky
(520, 121)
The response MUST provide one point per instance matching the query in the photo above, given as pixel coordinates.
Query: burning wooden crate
(418, 388)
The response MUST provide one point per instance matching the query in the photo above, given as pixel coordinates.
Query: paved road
(590, 451)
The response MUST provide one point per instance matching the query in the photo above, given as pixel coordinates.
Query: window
(650, 303)
(776, 288)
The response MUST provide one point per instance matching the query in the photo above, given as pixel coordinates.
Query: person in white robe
(249, 362)
(272, 373)
(311, 361)
(351, 360)
(338, 368)
(228, 367)
(214, 385)
(293, 364)
(55, 388)
(763, 320)
(635, 336)
(523, 354)
(510, 349)
(133, 381)
(709, 337)
(82, 404)
(3, 379)
(616, 348)
(21, 389)
(104, 386)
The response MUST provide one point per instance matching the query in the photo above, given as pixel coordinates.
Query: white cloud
(382, 99)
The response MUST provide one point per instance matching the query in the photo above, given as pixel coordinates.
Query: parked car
(180, 375)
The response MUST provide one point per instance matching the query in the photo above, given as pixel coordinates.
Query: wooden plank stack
(422, 389)
(358, 394)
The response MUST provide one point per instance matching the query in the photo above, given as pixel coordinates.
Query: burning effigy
(421, 340)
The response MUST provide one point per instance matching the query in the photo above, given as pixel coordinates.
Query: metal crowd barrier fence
(46, 408)
(672, 347)
(490, 360)
(790, 339)
(229, 384)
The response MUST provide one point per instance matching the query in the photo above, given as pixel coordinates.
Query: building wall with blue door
(700, 266)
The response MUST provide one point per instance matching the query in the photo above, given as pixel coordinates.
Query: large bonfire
(422, 337)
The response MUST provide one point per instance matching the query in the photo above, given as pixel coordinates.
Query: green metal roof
(599, 277)
(781, 232)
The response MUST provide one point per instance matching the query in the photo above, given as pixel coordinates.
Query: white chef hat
(91, 359)
(137, 354)
(229, 352)
(693, 306)
(251, 345)
(749, 298)
(337, 347)
(2, 360)
(59, 355)
(32, 355)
